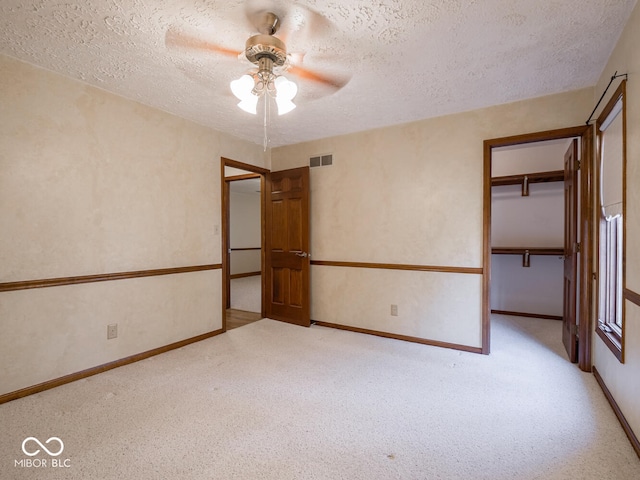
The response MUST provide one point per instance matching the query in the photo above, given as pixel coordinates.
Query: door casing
(585, 267)
(265, 263)
(225, 231)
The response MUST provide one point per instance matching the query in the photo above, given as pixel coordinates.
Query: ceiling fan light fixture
(284, 105)
(286, 90)
(249, 89)
(242, 87)
(249, 104)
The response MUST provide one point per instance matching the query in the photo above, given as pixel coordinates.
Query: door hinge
(578, 165)
(577, 247)
(573, 329)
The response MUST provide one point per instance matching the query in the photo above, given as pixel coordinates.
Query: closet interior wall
(527, 222)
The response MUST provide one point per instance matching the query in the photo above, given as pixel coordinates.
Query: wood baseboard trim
(104, 277)
(635, 443)
(41, 387)
(399, 266)
(404, 338)
(632, 296)
(244, 275)
(529, 315)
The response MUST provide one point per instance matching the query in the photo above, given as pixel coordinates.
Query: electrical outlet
(112, 331)
(394, 310)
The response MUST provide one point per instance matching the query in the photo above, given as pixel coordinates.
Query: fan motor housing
(260, 46)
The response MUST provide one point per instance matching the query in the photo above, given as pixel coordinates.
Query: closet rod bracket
(525, 186)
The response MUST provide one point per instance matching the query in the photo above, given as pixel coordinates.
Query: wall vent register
(321, 161)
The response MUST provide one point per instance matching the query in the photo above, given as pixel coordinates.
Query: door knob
(303, 254)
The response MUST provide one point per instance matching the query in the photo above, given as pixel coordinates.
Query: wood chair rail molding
(103, 277)
(632, 296)
(399, 266)
(235, 276)
(543, 316)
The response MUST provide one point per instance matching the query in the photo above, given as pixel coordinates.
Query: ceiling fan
(269, 56)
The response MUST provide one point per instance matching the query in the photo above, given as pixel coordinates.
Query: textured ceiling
(407, 59)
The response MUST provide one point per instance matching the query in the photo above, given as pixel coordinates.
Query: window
(611, 213)
(611, 272)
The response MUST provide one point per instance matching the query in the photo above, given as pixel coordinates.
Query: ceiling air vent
(321, 161)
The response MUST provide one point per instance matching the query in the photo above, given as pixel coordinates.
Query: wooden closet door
(569, 330)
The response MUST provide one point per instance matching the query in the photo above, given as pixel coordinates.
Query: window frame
(611, 242)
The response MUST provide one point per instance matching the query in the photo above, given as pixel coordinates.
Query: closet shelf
(527, 252)
(525, 179)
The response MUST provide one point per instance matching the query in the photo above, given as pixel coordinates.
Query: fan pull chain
(265, 140)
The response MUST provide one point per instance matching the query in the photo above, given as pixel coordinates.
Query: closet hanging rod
(535, 177)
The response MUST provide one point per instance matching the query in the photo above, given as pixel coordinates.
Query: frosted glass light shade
(286, 90)
(283, 90)
(250, 104)
(284, 105)
(242, 87)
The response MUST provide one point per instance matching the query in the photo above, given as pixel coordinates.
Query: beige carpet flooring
(276, 401)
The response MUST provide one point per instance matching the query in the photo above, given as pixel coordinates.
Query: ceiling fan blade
(300, 24)
(174, 38)
(336, 82)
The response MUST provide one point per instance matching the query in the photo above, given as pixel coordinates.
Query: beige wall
(411, 194)
(93, 183)
(623, 380)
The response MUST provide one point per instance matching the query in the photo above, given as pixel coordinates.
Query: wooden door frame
(225, 231)
(585, 133)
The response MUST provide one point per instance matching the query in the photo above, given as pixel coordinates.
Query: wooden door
(569, 330)
(287, 246)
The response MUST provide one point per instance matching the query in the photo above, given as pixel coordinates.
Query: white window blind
(611, 163)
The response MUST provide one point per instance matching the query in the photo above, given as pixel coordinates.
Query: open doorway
(536, 221)
(527, 229)
(284, 241)
(243, 243)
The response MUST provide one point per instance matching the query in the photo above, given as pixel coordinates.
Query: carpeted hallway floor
(276, 401)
